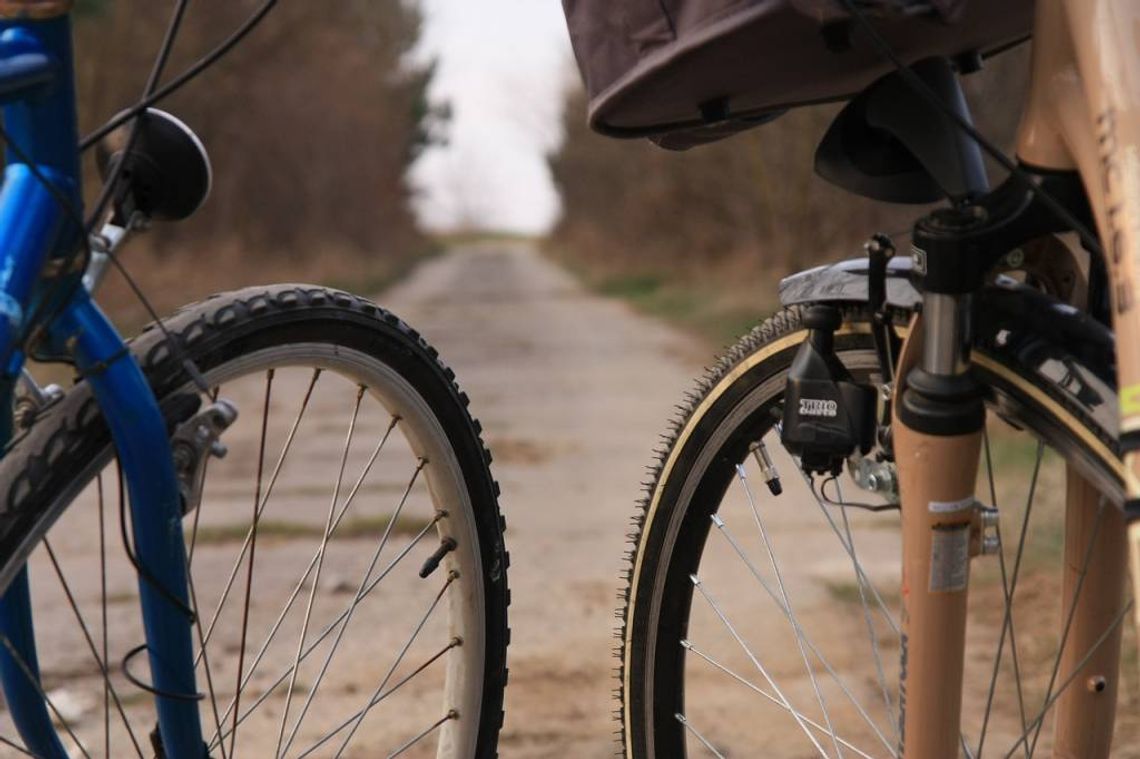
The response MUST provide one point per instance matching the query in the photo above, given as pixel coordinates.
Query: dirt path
(572, 390)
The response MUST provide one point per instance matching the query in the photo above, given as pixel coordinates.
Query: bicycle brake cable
(116, 168)
(821, 495)
(152, 93)
(182, 79)
(880, 43)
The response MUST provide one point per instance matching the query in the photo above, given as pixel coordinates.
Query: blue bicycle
(321, 574)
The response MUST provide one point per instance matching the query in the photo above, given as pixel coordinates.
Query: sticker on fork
(950, 558)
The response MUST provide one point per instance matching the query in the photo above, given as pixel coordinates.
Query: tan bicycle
(894, 520)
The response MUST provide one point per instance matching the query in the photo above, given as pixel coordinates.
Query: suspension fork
(937, 426)
(936, 482)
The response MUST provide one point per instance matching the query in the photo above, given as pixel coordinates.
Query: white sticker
(950, 558)
(946, 507)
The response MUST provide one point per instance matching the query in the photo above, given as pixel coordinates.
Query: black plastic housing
(827, 415)
(166, 172)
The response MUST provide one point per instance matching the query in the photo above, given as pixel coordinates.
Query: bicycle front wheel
(348, 572)
(764, 619)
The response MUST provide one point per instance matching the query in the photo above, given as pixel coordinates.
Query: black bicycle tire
(672, 467)
(71, 434)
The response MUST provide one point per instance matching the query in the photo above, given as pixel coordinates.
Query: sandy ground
(572, 390)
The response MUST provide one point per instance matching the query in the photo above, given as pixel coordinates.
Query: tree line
(311, 123)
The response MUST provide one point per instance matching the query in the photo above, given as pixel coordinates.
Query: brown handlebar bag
(687, 72)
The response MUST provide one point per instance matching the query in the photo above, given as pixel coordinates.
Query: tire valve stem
(767, 468)
(446, 546)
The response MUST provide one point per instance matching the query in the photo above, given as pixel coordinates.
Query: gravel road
(572, 390)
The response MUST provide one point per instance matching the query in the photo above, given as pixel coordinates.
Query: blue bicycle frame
(41, 225)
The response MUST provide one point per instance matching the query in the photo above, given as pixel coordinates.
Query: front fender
(846, 281)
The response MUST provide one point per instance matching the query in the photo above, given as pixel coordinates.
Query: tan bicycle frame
(1083, 113)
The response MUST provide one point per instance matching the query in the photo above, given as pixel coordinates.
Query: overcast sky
(503, 66)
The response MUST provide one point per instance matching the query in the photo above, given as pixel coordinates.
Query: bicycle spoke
(723, 527)
(205, 658)
(328, 629)
(432, 728)
(103, 611)
(35, 681)
(704, 741)
(689, 646)
(788, 605)
(1071, 614)
(860, 573)
(451, 577)
(313, 562)
(455, 642)
(870, 623)
(264, 502)
(320, 564)
(1008, 588)
(344, 627)
(252, 551)
(760, 667)
(1040, 718)
(101, 662)
(5, 742)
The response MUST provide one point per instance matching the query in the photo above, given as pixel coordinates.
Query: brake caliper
(194, 442)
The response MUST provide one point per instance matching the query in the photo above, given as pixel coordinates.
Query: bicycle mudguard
(846, 281)
(1064, 349)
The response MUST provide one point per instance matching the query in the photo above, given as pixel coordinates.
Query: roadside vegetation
(702, 237)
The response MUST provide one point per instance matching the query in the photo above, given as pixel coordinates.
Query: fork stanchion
(937, 426)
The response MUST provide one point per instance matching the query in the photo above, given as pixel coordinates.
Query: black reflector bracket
(165, 171)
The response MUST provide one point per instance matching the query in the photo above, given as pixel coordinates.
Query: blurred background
(351, 138)
(433, 155)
